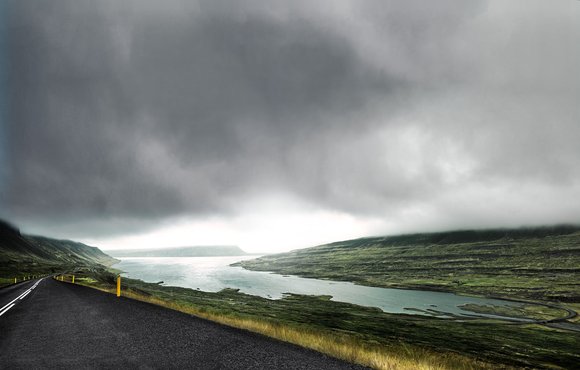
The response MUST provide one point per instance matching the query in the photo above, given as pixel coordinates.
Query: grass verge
(343, 346)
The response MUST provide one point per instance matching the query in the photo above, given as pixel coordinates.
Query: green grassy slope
(25, 255)
(533, 263)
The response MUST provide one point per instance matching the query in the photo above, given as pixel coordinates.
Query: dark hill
(22, 254)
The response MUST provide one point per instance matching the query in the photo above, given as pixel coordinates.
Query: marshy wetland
(213, 274)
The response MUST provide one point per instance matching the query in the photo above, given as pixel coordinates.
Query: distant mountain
(198, 251)
(27, 254)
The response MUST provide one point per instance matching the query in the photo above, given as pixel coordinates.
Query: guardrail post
(118, 285)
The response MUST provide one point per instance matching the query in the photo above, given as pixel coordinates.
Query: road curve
(61, 325)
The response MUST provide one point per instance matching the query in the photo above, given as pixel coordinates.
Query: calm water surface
(212, 274)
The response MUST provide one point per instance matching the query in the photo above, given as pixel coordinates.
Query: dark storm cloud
(69, 116)
(204, 89)
(127, 112)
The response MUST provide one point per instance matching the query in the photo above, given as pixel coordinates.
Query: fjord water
(212, 274)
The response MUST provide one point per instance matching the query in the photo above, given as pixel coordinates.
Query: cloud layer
(124, 114)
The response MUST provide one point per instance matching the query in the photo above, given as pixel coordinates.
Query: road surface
(50, 324)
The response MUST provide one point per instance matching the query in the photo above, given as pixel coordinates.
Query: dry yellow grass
(342, 346)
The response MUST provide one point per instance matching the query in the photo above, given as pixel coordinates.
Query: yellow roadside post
(118, 285)
(73, 279)
(15, 280)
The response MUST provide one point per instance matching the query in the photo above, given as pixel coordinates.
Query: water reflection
(212, 274)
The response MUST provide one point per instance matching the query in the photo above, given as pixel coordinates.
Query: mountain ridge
(531, 263)
(21, 253)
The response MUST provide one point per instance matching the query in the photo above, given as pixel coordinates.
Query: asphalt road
(60, 325)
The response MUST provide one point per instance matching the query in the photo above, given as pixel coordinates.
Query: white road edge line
(14, 300)
(2, 310)
(6, 310)
(27, 293)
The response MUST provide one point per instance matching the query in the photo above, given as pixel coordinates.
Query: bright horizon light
(259, 234)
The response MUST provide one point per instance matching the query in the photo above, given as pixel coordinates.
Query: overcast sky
(276, 125)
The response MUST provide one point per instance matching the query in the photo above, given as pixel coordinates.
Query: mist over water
(212, 274)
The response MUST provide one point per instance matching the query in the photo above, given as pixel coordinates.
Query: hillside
(199, 251)
(25, 254)
(534, 263)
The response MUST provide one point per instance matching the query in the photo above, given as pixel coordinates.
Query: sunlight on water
(212, 274)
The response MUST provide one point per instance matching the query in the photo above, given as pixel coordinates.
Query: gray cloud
(124, 114)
